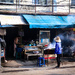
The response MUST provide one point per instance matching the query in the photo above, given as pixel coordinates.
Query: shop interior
(33, 41)
(25, 37)
(28, 38)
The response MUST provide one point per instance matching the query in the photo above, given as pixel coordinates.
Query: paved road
(66, 69)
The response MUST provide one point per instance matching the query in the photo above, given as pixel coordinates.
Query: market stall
(32, 51)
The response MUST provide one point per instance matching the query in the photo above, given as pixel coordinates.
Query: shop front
(35, 33)
(53, 25)
(9, 25)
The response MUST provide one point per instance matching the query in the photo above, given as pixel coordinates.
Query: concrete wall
(38, 9)
(27, 2)
(42, 8)
(56, 9)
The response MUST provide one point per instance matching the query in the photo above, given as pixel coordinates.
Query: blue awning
(49, 21)
(4, 26)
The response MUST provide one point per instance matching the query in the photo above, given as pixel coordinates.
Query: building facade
(33, 7)
(39, 6)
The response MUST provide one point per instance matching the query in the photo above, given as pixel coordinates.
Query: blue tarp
(4, 26)
(49, 21)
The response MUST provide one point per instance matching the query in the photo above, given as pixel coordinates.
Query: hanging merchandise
(2, 31)
(21, 33)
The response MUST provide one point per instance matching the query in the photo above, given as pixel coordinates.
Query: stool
(41, 61)
(18, 52)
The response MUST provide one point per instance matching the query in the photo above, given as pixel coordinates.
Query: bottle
(29, 44)
(2, 52)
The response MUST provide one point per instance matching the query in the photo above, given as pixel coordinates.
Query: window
(43, 2)
(37, 1)
(73, 2)
(44, 37)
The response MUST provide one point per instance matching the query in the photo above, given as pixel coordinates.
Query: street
(65, 69)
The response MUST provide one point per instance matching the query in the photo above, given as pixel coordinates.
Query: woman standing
(58, 50)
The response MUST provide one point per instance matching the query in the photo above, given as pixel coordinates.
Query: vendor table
(28, 51)
(49, 54)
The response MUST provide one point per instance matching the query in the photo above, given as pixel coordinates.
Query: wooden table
(33, 48)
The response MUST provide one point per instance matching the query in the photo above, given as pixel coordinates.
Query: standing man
(58, 50)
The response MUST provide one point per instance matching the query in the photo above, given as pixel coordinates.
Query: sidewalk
(16, 65)
(65, 69)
